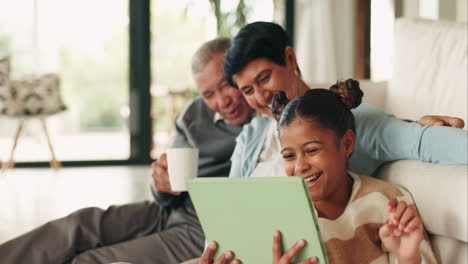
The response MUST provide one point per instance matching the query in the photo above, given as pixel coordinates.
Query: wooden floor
(31, 197)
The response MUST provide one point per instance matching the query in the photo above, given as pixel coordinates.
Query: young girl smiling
(362, 219)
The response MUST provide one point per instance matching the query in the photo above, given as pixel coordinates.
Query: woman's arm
(435, 120)
(382, 137)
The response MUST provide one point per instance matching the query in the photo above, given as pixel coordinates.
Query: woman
(261, 65)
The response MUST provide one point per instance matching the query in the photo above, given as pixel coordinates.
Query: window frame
(139, 94)
(140, 121)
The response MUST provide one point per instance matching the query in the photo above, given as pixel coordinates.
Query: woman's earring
(296, 72)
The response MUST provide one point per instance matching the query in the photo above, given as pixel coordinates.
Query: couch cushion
(429, 73)
(374, 92)
(449, 251)
(439, 192)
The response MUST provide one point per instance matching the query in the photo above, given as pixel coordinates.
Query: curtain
(324, 41)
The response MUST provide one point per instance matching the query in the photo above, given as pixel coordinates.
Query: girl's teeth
(311, 178)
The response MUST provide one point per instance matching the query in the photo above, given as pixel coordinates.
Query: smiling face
(318, 155)
(261, 79)
(219, 95)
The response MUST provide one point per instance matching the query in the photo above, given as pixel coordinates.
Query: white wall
(325, 39)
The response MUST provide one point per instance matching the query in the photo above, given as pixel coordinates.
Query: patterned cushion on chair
(29, 97)
(4, 70)
(39, 96)
(7, 106)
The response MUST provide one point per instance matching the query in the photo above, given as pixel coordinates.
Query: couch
(430, 77)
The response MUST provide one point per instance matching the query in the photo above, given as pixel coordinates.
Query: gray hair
(205, 53)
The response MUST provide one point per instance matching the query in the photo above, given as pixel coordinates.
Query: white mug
(182, 166)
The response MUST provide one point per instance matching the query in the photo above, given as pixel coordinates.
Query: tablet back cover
(242, 214)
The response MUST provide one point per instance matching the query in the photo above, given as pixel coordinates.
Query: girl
(362, 219)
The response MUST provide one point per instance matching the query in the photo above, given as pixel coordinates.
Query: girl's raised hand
(280, 258)
(226, 257)
(403, 232)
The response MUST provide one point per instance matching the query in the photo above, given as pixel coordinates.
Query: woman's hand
(207, 257)
(403, 232)
(433, 120)
(280, 258)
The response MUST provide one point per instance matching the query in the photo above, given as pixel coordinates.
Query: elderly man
(166, 231)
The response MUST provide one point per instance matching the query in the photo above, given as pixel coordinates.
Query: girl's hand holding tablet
(286, 258)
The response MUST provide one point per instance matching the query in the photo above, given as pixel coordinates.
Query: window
(178, 29)
(86, 43)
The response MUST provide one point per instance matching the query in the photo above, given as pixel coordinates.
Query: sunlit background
(87, 43)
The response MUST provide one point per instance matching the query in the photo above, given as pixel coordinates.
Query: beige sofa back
(429, 69)
(430, 77)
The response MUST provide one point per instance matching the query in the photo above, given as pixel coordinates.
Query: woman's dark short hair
(256, 40)
(327, 108)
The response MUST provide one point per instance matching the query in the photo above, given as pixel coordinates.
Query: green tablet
(242, 214)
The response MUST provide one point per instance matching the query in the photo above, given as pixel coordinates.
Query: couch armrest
(439, 192)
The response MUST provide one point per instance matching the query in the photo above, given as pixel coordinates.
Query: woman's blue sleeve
(249, 144)
(382, 137)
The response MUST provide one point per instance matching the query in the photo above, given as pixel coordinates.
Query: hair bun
(349, 91)
(279, 102)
